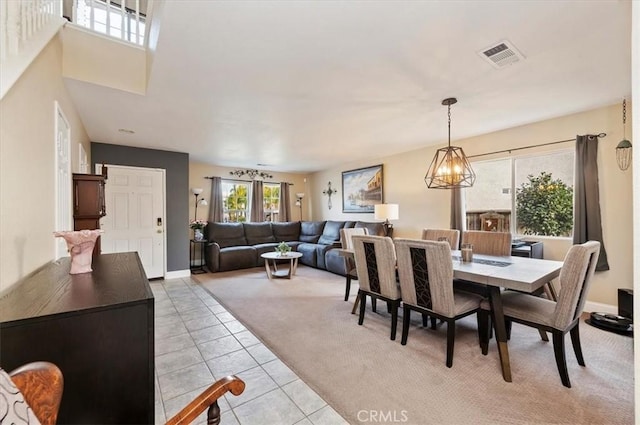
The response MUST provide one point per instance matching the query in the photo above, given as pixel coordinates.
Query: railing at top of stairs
(26, 26)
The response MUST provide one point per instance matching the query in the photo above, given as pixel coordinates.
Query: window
(235, 198)
(121, 20)
(271, 201)
(538, 188)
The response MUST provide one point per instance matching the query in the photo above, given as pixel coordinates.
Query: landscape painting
(361, 189)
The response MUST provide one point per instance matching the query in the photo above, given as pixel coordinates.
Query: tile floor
(197, 342)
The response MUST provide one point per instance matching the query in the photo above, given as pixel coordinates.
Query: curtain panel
(586, 209)
(216, 209)
(284, 211)
(458, 219)
(257, 201)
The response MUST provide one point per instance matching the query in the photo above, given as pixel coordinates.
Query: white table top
(276, 256)
(522, 274)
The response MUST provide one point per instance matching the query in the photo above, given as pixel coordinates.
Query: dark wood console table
(98, 328)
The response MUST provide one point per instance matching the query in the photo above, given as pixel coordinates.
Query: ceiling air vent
(501, 54)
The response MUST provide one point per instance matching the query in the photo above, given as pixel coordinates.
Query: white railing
(21, 20)
(122, 19)
(26, 26)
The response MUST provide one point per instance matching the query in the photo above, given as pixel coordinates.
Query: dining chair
(450, 235)
(562, 316)
(349, 262)
(487, 243)
(425, 269)
(376, 267)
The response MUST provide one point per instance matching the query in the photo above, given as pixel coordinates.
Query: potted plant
(198, 226)
(283, 249)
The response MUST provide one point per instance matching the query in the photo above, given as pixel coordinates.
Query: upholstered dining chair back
(488, 243)
(575, 280)
(347, 234)
(426, 274)
(451, 235)
(376, 264)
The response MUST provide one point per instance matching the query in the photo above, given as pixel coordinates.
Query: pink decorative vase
(80, 244)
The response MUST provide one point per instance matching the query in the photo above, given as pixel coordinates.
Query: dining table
(497, 272)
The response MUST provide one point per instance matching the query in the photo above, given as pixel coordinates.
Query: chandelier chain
(624, 118)
(449, 115)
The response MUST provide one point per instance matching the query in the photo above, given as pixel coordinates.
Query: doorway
(62, 180)
(135, 220)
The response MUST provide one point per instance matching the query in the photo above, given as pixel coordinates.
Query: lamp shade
(386, 211)
(196, 190)
(300, 195)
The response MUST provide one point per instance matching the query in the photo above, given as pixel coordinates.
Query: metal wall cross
(328, 191)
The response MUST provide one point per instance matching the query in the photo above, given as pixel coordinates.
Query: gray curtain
(285, 202)
(458, 213)
(257, 201)
(216, 207)
(586, 208)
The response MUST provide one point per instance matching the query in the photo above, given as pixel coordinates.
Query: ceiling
(301, 86)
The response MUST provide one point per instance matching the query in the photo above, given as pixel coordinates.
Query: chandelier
(450, 168)
(252, 174)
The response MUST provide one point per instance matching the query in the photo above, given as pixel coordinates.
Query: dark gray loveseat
(234, 246)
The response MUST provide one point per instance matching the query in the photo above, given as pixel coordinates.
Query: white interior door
(134, 199)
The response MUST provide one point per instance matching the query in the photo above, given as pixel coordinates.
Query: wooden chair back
(41, 385)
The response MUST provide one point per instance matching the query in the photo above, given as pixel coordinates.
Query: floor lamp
(299, 197)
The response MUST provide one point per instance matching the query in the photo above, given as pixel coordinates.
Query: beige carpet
(364, 375)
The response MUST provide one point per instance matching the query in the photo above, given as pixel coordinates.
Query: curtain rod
(246, 181)
(601, 135)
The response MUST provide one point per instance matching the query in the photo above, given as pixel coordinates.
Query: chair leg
(373, 304)
(348, 289)
(561, 360)
(575, 341)
(483, 330)
(434, 321)
(451, 337)
(363, 305)
(389, 307)
(543, 335)
(425, 320)
(393, 306)
(507, 325)
(406, 319)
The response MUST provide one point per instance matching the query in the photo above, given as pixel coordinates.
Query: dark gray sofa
(233, 246)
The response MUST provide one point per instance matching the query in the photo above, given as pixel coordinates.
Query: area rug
(368, 378)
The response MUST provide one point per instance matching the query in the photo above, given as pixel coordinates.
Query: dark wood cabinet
(97, 327)
(527, 249)
(88, 202)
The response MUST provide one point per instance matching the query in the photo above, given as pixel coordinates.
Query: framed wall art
(361, 189)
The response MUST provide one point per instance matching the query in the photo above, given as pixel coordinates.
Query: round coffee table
(271, 260)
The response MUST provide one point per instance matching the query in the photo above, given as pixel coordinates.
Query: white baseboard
(177, 274)
(591, 307)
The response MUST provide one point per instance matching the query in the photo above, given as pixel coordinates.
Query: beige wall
(198, 171)
(27, 152)
(421, 207)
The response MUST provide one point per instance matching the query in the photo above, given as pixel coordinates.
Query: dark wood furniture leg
(501, 332)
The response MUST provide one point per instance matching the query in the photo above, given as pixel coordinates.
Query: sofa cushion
(310, 231)
(375, 229)
(237, 257)
(331, 232)
(226, 234)
(286, 232)
(309, 256)
(257, 233)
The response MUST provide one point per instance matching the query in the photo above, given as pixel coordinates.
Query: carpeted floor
(368, 378)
